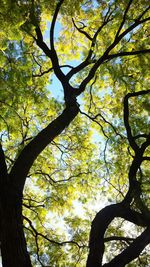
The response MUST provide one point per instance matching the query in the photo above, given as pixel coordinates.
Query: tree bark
(12, 240)
(132, 251)
(99, 226)
(31, 151)
(13, 244)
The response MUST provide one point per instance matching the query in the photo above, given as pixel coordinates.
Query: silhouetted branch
(89, 59)
(82, 31)
(132, 251)
(36, 233)
(60, 2)
(99, 225)
(35, 147)
(141, 136)
(124, 17)
(94, 120)
(131, 138)
(50, 179)
(128, 53)
(103, 118)
(146, 158)
(41, 43)
(50, 69)
(106, 55)
(128, 240)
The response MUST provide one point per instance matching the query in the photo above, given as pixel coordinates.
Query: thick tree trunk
(13, 244)
(99, 226)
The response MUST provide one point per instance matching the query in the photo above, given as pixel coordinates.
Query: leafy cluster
(73, 167)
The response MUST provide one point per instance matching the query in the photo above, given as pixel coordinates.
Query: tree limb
(53, 24)
(118, 238)
(132, 251)
(82, 31)
(50, 69)
(88, 59)
(106, 55)
(128, 53)
(41, 43)
(131, 138)
(100, 224)
(36, 233)
(28, 155)
(124, 17)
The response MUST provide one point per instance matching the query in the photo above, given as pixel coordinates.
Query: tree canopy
(75, 138)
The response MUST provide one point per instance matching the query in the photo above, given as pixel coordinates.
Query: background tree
(88, 149)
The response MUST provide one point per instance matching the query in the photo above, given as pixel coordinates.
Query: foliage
(101, 158)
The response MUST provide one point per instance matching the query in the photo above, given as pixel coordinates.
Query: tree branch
(50, 69)
(88, 59)
(103, 118)
(28, 155)
(124, 17)
(141, 136)
(53, 24)
(82, 31)
(132, 251)
(94, 120)
(106, 55)
(59, 74)
(131, 138)
(100, 224)
(146, 158)
(118, 238)
(51, 53)
(128, 53)
(143, 13)
(41, 43)
(36, 233)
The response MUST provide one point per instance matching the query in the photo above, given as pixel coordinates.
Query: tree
(57, 154)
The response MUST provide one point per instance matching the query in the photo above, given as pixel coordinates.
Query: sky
(55, 86)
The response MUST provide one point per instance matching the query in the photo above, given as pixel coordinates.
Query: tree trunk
(13, 245)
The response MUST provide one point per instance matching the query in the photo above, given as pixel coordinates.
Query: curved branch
(50, 69)
(103, 118)
(36, 233)
(127, 125)
(53, 23)
(131, 138)
(132, 251)
(82, 31)
(141, 136)
(51, 53)
(89, 59)
(100, 224)
(106, 55)
(28, 155)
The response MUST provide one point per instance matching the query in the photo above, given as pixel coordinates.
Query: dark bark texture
(13, 244)
(123, 209)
